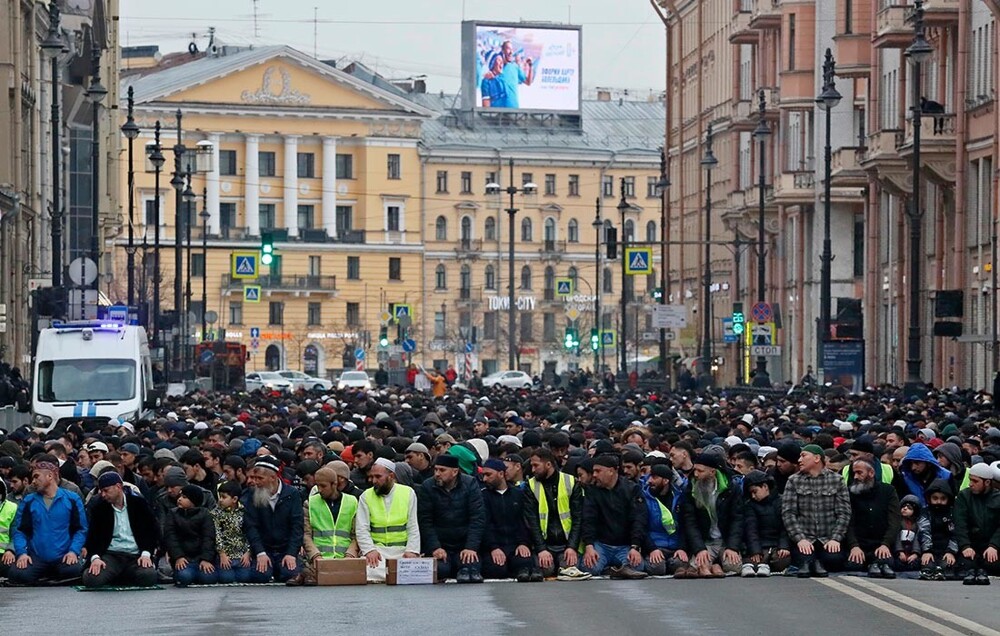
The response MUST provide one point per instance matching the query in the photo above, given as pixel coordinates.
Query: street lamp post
(157, 160)
(177, 182)
(51, 46)
(662, 184)
(917, 53)
(598, 226)
(96, 93)
(761, 133)
(189, 200)
(204, 214)
(131, 131)
(707, 162)
(623, 207)
(827, 100)
(528, 189)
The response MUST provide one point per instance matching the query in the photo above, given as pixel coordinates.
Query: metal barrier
(11, 419)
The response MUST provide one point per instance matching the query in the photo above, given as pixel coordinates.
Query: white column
(292, 184)
(251, 185)
(212, 188)
(330, 186)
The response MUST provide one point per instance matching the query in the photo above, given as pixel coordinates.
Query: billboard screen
(521, 67)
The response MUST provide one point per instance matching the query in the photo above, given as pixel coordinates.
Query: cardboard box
(341, 572)
(422, 571)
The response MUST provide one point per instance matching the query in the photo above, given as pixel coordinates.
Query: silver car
(302, 380)
(269, 380)
(354, 380)
(509, 379)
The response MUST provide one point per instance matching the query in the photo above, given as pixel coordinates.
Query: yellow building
(324, 162)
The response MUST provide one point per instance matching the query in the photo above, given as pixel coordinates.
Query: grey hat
(130, 448)
(174, 476)
(165, 452)
(417, 447)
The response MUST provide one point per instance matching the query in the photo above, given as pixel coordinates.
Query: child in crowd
(914, 535)
(234, 565)
(189, 537)
(939, 560)
(766, 540)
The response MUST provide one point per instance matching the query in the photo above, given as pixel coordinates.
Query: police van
(91, 372)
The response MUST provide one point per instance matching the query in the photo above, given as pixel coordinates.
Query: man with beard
(664, 541)
(273, 523)
(919, 469)
(875, 522)
(452, 519)
(816, 509)
(614, 523)
(713, 518)
(386, 522)
(977, 526)
(122, 537)
(328, 521)
(505, 539)
(553, 512)
(863, 449)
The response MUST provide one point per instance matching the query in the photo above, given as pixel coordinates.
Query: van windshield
(86, 380)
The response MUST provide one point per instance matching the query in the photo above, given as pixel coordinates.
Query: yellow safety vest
(667, 518)
(331, 538)
(884, 471)
(388, 528)
(8, 509)
(563, 491)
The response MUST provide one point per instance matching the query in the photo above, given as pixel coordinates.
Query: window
(267, 216)
(630, 187)
(394, 166)
(608, 186)
(548, 327)
(549, 284)
(276, 313)
(527, 333)
(652, 192)
(573, 231)
(791, 42)
(525, 277)
(345, 223)
(315, 265)
(651, 232)
(197, 265)
(392, 218)
(490, 326)
(465, 282)
(151, 213)
(466, 230)
(550, 185)
(848, 17)
(550, 231)
(859, 247)
(490, 278)
(305, 217)
(306, 168)
(227, 163)
(465, 324)
(491, 177)
(526, 230)
(490, 229)
(266, 163)
(275, 268)
(345, 166)
(440, 278)
(439, 324)
(353, 268)
(441, 229)
(607, 281)
(442, 181)
(395, 268)
(353, 314)
(629, 234)
(526, 178)
(466, 183)
(235, 312)
(574, 185)
(315, 313)
(227, 216)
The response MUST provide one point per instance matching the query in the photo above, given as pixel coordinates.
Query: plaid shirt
(816, 508)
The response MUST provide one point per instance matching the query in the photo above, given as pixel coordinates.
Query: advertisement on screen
(521, 67)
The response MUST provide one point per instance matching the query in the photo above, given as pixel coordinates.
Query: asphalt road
(775, 607)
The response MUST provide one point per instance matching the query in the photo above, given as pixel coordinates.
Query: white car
(301, 380)
(267, 380)
(509, 379)
(354, 380)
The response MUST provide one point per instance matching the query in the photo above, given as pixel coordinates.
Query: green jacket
(977, 520)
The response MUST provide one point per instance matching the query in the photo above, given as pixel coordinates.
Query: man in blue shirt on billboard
(512, 76)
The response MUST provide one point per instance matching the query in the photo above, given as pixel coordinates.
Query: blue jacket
(916, 486)
(49, 534)
(658, 536)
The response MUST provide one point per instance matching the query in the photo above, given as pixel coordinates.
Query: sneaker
(463, 576)
(573, 574)
(792, 570)
(763, 570)
(927, 574)
(748, 571)
(938, 574)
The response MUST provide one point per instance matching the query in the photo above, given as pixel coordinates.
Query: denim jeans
(235, 574)
(277, 570)
(608, 555)
(193, 574)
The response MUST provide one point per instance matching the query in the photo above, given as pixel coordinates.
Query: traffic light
(595, 339)
(739, 319)
(383, 337)
(611, 241)
(266, 248)
(571, 340)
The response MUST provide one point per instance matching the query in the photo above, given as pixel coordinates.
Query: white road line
(919, 621)
(938, 613)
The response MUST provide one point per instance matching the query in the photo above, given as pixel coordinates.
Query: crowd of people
(522, 484)
(14, 389)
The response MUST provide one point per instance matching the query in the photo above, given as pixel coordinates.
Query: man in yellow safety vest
(386, 522)
(8, 509)
(553, 511)
(328, 517)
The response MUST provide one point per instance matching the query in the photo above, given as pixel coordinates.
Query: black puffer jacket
(451, 519)
(764, 526)
(190, 534)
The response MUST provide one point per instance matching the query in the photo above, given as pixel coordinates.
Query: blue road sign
(244, 265)
(206, 356)
(409, 345)
(609, 338)
(564, 286)
(255, 332)
(638, 260)
(469, 347)
(251, 293)
(359, 354)
(118, 313)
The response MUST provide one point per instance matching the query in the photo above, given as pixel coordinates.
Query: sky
(623, 40)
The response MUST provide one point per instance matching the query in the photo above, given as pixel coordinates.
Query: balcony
(798, 88)
(552, 249)
(796, 186)
(939, 13)
(881, 159)
(281, 283)
(766, 15)
(349, 236)
(741, 33)
(892, 28)
(468, 297)
(937, 146)
(744, 115)
(854, 54)
(845, 168)
(469, 248)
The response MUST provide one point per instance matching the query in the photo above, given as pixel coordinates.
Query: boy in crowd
(233, 548)
(938, 560)
(914, 535)
(767, 544)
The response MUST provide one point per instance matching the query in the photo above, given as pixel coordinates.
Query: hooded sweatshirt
(918, 484)
(914, 532)
(942, 524)
(956, 465)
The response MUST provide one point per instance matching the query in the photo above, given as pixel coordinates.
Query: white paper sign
(415, 571)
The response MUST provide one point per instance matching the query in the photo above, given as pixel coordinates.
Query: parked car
(305, 381)
(354, 380)
(267, 380)
(509, 379)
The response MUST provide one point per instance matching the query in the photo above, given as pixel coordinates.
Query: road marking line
(938, 613)
(919, 621)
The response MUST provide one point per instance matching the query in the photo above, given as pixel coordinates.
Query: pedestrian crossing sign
(564, 286)
(243, 265)
(400, 309)
(609, 338)
(638, 260)
(251, 293)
